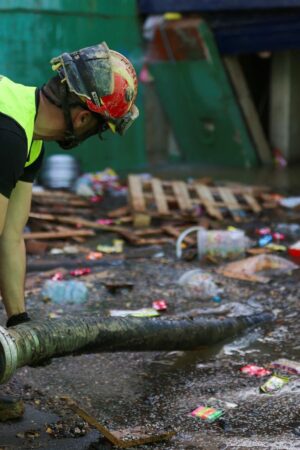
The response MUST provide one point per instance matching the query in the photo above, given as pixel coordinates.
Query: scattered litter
(221, 404)
(56, 314)
(143, 312)
(291, 230)
(263, 231)
(93, 256)
(160, 305)
(58, 276)
(63, 292)
(117, 247)
(253, 370)
(265, 240)
(96, 183)
(286, 365)
(246, 269)
(276, 247)
(105, 221)
(113, 285)
(199, 284)
(275, 383)
(290, 202)
(80, 272)
(278, 236)
(294, 250)
(207, 413)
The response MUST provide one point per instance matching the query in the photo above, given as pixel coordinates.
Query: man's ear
(82, 118)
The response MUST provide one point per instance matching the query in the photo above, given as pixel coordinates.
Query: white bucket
(60, 171)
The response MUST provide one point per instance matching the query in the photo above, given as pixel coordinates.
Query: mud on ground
(160, 389)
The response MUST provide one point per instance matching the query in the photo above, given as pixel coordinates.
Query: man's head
(96, 88)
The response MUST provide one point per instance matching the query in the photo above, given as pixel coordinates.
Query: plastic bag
(63, 292)
(199, 284)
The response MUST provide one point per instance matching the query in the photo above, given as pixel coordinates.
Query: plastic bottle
(63, 292)
(216, 243)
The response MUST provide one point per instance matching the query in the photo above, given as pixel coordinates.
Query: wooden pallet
(176, 199)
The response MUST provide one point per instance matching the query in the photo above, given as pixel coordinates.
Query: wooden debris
(58, 234)
(121, 438)
(11, 408)
(178, 200)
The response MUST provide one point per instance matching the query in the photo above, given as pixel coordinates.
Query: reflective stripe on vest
(18, 102)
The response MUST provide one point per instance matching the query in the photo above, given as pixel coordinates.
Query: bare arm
(12, 247)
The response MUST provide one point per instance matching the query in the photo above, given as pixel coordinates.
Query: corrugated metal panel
(34, 31)
(159, 6)
(253, 32)
(197, 96)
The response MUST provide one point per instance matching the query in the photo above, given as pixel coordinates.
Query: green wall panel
(33, 31)
(201, 107)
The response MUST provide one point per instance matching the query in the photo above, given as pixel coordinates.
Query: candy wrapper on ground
(80, 272)
(275, 383)
(287, 366)
(207, 413)
(159, 305)
(256, 371)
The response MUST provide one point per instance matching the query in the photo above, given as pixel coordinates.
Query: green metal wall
(33, 31)
(199, 101)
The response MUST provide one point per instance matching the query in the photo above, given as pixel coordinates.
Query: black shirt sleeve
(13, 154)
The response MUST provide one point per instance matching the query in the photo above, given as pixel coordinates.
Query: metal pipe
(33, 342)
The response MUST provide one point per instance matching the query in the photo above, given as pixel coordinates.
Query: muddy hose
(34, 342)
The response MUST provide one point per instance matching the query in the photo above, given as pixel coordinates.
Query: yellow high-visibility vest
(18, 102)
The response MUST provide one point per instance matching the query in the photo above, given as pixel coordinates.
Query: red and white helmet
(104, 80)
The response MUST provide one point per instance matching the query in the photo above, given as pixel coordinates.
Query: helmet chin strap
(70, 140)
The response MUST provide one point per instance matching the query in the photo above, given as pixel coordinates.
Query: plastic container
(217, 243)
(63, 292)
(294, 252)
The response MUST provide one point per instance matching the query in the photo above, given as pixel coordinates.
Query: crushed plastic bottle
(290, 230)
(199, 284)
(64, 292)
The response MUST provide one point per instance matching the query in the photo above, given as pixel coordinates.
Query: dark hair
(52, 90)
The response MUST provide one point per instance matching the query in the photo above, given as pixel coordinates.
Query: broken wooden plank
(124, 232)
(182, 196)
(208, 201)
(159, 196)
(119, 212)
(57, 234)
(247, 105)
(231, 203)
(136, 196)
(252, 203)
(120, 438)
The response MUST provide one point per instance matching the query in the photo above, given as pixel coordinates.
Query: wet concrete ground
(159, 389)
(124, 390)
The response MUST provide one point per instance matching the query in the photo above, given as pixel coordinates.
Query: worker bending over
(93, 91)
